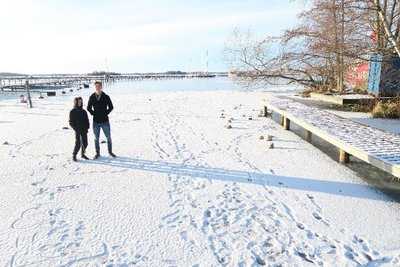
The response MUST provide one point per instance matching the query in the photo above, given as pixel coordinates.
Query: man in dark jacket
(100, 106)
(79, 121)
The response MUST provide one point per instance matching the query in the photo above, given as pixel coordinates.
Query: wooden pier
(376, 147)
(42, 83)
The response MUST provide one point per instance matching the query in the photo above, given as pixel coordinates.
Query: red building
(357, 77)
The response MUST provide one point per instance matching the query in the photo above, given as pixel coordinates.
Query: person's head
(98, 86)
(78, 102)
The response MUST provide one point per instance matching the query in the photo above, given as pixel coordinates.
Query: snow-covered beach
(184, 191)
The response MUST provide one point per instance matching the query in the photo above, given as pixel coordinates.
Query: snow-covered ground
(184, 191)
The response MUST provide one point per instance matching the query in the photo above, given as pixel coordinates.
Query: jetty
(41, 83)
(374, 146)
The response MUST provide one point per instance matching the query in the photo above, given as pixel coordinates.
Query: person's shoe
(74, 158)
(84, 157)
(96, 156)
(112, 154)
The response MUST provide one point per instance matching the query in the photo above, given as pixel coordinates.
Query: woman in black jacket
(79, 121)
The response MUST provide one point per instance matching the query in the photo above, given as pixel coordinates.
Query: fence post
(28, 93)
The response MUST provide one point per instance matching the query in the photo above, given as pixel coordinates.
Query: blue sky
(45, 36)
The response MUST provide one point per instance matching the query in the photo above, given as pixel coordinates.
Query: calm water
(174, 85)
(212, 84)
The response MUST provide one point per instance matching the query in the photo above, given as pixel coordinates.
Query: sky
(80, 36)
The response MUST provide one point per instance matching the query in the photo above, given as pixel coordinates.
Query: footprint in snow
(317, 216)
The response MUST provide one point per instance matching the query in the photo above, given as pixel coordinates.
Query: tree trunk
(382, 20)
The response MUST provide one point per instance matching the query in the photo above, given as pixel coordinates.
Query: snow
(356, 96)
(184, 191)
(389, 125)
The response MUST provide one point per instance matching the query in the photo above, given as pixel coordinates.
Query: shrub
(366, 108)
(389, 110)
(307, 92)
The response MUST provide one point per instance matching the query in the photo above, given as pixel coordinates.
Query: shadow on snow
(297, 183)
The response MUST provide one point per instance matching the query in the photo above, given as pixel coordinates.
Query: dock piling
(308, 136)
(286, 123)
(344, 157)
(28, 93)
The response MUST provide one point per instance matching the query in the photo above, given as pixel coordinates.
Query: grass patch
(387, 110)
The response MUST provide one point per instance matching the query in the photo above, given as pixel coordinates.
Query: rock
(271, 146)
(262, 137)
(250, 118)
(228, 126)
(269, 138)
(65, 128)
(103, 142)
(6, 143)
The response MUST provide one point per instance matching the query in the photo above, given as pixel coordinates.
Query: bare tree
(386, 24)
(332, 36)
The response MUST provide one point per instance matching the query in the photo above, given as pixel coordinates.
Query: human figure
(79, 121)
(100, 106)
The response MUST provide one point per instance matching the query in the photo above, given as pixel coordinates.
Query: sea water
(169, 85)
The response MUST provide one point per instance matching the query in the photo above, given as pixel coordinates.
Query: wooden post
(308, 136)
(286, 123)
(344, 157)
(265, 111)
(28, 93)
(282, 120)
